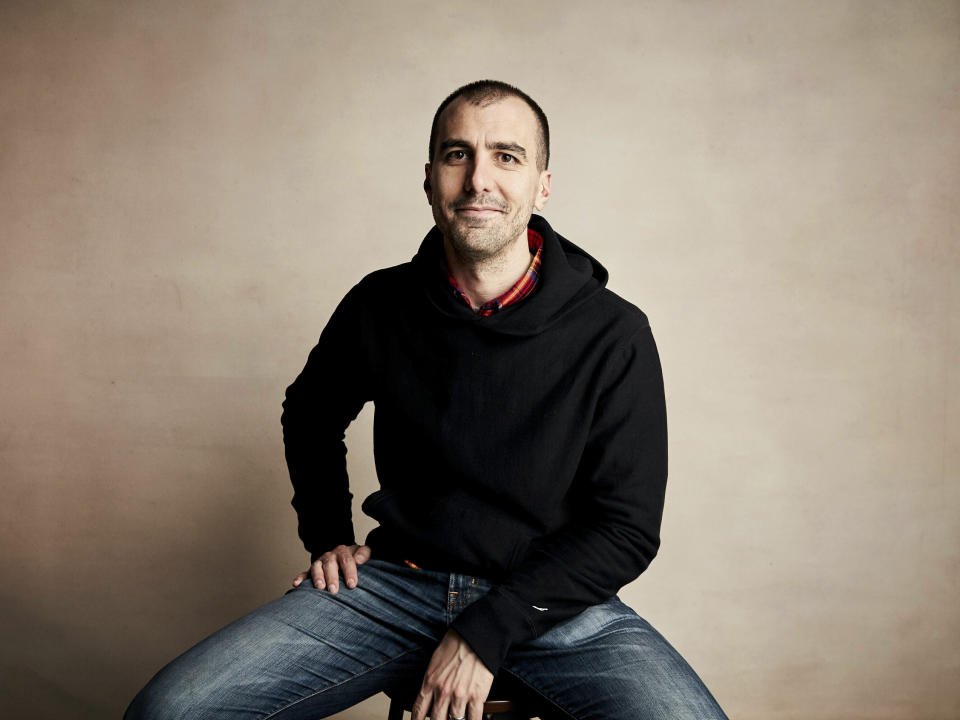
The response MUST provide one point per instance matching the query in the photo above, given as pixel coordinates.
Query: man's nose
(478, 176)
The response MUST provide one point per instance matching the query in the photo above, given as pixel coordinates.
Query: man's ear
(543, 192)
(427, 187)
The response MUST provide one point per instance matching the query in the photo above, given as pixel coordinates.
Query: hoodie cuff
(491, 626)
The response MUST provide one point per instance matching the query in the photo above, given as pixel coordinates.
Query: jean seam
(335, 685)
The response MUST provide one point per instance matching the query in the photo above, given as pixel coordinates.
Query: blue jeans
(310, 654)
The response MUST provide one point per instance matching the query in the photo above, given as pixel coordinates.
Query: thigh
(609, 663)
(307, 654)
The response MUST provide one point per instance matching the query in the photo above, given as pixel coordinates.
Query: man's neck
(484, 280)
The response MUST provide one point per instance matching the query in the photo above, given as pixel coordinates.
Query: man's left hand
(456, 683)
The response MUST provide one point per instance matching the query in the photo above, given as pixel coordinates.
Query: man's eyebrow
(510, 147)
(452, 143)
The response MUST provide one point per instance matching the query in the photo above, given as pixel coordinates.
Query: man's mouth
(476, 207)
(477, 210)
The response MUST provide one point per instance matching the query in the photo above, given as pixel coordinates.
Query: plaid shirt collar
(521, 289)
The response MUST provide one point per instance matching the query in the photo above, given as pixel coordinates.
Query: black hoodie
(528, 447)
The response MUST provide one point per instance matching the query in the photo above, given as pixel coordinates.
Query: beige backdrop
(188, 188)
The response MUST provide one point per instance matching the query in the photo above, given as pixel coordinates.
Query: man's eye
(456, 155)
(507, 158)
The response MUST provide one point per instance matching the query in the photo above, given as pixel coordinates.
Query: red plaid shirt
(523, 287)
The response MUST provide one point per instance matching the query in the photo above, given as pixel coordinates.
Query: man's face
(483, 183)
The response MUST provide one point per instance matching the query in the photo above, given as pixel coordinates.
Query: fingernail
(351, 583)
(333, 588)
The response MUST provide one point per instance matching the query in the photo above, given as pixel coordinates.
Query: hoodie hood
(568, 277)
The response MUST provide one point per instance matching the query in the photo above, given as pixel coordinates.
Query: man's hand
(325, 571)
(456, 683)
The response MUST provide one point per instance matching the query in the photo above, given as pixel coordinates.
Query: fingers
(447, 703)
(349, 558)
(422, 706)
(465, 703)
(343, 560)
(300, 578)
(439, 708)
(316, 573)
(419, 709)
(331, 571)
(362, 554)
(348, 566)
(474, 709)
(458, 707)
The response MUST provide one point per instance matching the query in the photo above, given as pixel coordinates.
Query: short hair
(485, 92)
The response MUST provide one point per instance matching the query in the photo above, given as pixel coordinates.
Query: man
(520, 442)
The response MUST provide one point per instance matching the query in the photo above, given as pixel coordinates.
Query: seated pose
(521, 450)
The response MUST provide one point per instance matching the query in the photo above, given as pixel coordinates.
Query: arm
(619, 490)
(320, 404)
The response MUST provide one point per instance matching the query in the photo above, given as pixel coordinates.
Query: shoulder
(617, 314)
(386, 279)
(383, 285)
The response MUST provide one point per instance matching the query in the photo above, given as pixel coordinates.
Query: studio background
(188, 188)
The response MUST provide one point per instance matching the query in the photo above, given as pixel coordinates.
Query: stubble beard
(482, 242)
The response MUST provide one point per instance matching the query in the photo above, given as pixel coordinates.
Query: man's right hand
(325, 571)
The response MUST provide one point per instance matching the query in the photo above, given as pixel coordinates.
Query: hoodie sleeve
(619, 491)
(324, 399)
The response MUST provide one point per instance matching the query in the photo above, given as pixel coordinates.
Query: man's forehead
(508, 115)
